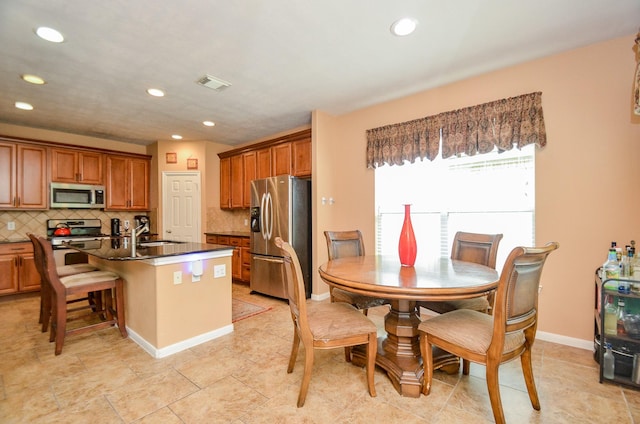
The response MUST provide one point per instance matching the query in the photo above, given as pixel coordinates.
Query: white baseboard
(177, 347)
(320, 297)
(565, 340)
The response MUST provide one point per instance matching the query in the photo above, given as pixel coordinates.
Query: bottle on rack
(621, 316)
(608, 369)
(611, 268)
(610, 317)
(625, 264)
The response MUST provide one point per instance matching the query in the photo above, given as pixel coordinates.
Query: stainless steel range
(84, 233)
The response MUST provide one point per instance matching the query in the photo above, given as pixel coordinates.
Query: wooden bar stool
(102, 283)
(63, 271)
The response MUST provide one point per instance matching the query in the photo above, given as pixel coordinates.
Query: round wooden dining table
(384, 277)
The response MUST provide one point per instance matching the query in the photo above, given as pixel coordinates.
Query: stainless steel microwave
(77, 196)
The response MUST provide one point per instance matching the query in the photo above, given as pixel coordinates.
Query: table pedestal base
(399, 352)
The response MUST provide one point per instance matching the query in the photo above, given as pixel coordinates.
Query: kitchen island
(177, 295)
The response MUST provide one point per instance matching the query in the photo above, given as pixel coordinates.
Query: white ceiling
(284, 58)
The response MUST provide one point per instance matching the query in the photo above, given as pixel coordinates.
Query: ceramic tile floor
(241, 378)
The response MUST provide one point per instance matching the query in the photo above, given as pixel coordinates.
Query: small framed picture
(172, 157)
(192, 163)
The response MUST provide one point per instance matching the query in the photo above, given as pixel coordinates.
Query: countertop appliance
(139, 220)
(115, 226)
(77, 196)
(280, 207)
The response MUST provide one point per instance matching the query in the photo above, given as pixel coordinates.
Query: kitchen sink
(157, 243)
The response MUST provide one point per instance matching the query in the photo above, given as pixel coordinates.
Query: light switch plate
(177, 277)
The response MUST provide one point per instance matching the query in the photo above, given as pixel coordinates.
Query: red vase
(407, 247)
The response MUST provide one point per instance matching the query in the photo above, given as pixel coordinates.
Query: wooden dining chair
(341, 244)
(63, 271)
(493, 339)
(323, 325)
(105, 284)
(469, 247)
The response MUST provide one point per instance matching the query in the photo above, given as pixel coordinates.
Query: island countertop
(119, 249)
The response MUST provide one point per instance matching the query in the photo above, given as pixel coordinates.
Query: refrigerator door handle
(263, 226)
(269, 216)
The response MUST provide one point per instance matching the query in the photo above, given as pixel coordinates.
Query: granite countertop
(119, 249)
(229, 233)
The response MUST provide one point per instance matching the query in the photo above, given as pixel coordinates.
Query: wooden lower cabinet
(18, 271)
(241, 256)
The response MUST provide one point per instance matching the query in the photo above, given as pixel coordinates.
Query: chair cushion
(88, 278)
(480, 304)
(66, 270)
(329, 321)
(472, 330)
(360, 301)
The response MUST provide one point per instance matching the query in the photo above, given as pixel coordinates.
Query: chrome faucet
(134, 237)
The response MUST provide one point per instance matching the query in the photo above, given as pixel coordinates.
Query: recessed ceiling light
(33, 79)
(176, 137)
(49, 34)
(208, 123)
(403, 26)
(155, 92)
(23, 106)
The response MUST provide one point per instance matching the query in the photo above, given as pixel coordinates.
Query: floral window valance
(477, 129)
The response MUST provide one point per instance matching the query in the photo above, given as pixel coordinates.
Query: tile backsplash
(36, 221)
(222, 220)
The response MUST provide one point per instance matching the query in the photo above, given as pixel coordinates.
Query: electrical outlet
(11, 225)
(177, 277)
(195, 278)
(219, 271)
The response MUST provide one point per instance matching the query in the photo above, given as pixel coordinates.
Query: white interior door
(181, 206)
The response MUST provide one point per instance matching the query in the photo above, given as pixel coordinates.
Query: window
(486, 193)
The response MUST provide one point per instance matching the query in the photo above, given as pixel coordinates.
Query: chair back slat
(516, 302)
(477, 248)
(295, 287)
(50, 268)
(342, 244)
(38, 257)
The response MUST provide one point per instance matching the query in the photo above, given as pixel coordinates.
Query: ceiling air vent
(213, 82)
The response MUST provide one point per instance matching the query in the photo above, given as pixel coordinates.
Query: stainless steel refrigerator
(280, 207)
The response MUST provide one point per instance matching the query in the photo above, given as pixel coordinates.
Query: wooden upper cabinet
(286, 155)
(139, 197)
(7, 176)
(23, 172)
(281, 159)
(263, 163)
(301, 154)
(225, 183)
(73, 166)
(32, 177)
(127, 183)
(237, 177)
(249, 174)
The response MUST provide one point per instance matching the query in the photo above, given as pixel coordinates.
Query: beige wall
(587, 178)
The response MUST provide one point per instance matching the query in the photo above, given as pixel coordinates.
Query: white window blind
(488, 193)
